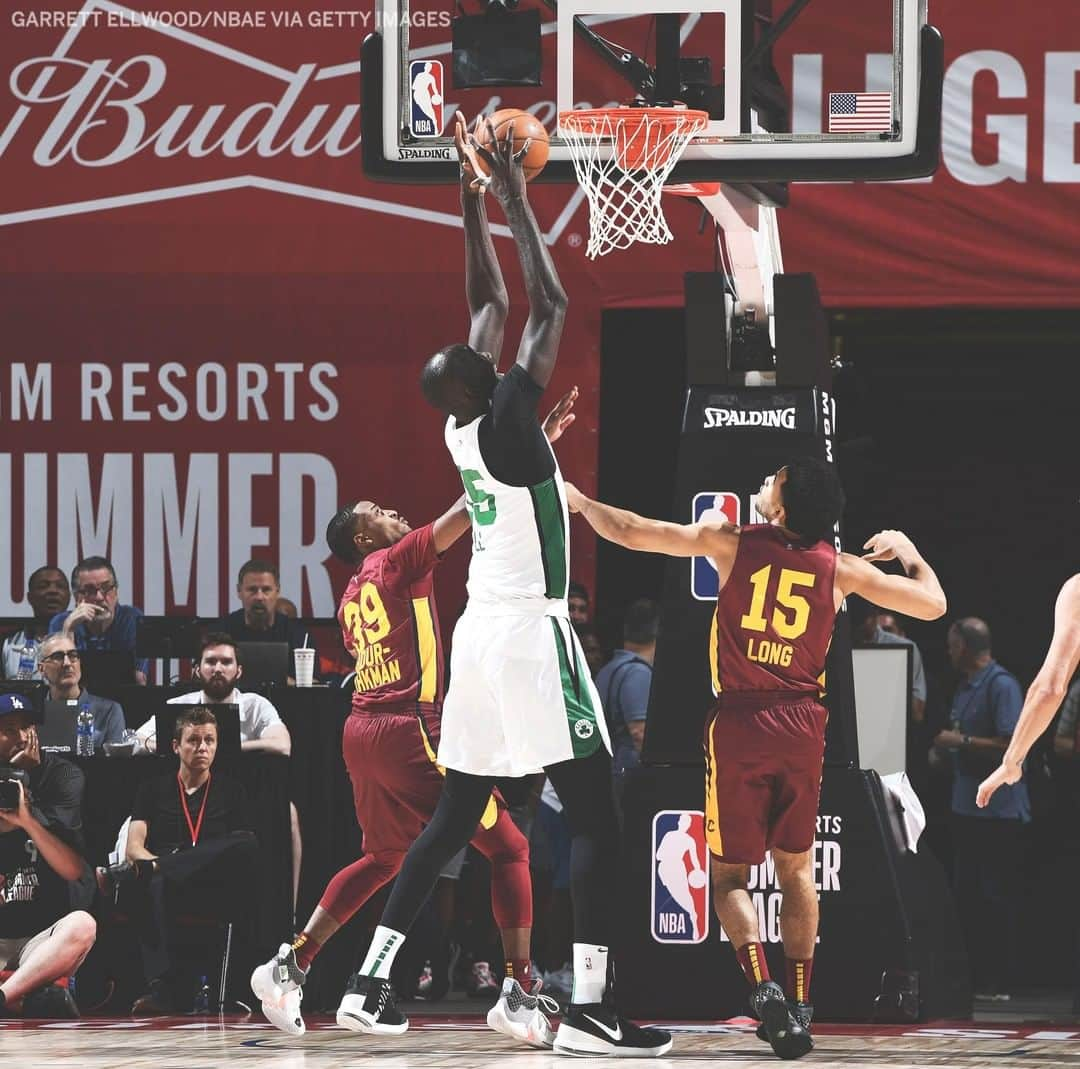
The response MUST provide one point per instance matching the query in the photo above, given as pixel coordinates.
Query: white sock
(380, 956)
(590, 973)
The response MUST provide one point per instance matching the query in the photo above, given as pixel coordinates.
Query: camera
(10, 778)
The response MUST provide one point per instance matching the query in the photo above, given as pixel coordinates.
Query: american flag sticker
(860, 113)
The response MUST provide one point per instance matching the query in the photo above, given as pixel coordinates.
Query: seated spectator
(98, 621)
(190, 849)
(287, 607)
(624, 683)
(258, 620)
(219, 670)
(578, 600)
(41, 937)
(61, 665)
(261, 728)
(47, 593)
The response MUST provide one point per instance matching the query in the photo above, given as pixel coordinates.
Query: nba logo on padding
(680, 881)
(426, 85)
(713, 505)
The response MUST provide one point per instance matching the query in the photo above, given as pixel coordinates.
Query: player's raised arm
(547, 299)
(484, 286)
(1046, 692)
(716, 540)
(916, 593)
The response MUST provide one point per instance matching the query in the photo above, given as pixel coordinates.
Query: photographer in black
(41, 937)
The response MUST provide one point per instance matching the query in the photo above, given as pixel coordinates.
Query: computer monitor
(264, 662)
(59, 724)
(228, 724)
(168, 636)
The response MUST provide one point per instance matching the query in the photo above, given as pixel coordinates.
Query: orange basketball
(526, 128)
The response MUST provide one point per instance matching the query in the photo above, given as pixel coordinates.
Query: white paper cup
(305, 666)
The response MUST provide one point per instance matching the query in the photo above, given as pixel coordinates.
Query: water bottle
(84, 733)
(202, 997)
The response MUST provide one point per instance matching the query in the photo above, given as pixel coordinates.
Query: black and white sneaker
(597, 1028)
(277, 984)
(788, 1036)
(368, 1006)
(804, 1011)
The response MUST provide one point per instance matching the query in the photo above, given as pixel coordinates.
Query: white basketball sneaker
(522, 1015)
(277, 984)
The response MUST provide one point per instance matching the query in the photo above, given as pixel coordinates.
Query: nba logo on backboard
(680, 882)
(426, 83)
(722, 505)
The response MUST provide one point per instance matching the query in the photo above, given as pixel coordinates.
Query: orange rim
(641, 137)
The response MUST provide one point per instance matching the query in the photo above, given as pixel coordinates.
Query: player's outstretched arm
(547, 299)
(916, 593)
(485, 289)
(1046, 692)
(628, 529)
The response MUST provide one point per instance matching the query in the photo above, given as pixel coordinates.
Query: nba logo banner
(714, 506)
(426, 82)
(680, 881)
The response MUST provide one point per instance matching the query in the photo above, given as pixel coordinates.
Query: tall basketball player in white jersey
(521, 699)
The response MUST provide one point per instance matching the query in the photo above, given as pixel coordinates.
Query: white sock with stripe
(590, 973)
(380, 956)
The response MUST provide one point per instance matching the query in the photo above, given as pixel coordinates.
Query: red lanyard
(197, 827)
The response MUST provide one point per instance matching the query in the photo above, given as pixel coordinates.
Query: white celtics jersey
(521, 547)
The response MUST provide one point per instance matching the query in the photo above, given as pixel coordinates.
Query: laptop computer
(107, 672)
(264, 662)
(58, 728)
(228, 724)
(168, 636)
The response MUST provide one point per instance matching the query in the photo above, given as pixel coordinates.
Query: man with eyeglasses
(98, 621)
(61, 667)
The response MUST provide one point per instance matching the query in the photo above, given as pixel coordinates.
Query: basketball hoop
(622, 157)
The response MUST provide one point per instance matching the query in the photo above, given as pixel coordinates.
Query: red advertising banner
(213, 324)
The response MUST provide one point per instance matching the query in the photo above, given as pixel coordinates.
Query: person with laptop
(191, 848)
(258, 620)
(99, 622)
(219, 671)
(61, 668)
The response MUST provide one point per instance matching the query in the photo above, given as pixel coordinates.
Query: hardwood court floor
(464, 1043)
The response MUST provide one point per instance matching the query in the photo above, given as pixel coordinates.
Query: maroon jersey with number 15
(774, 617)
(391, 627)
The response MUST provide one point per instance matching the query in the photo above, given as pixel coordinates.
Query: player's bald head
(457, 376)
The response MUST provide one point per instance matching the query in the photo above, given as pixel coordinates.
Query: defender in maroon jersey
(390, 626)
(781, 585)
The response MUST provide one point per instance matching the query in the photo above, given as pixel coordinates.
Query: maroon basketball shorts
(396, 783)
(763, 756)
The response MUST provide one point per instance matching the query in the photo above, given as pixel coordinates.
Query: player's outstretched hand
(575, 499)
(1003, 775)
(888, 545)
(473, 179)
(560, 417)
(507, 181)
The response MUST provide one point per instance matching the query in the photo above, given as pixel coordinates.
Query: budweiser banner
(213, 325)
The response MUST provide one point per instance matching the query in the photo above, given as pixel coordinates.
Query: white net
(623, 157)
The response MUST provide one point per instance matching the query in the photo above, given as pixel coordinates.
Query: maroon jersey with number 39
(390, 625)
(774, 616)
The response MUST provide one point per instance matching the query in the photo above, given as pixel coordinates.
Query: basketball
(696, 879)
(526, 128)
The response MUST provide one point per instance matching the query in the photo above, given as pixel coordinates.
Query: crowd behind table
(281, 819)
